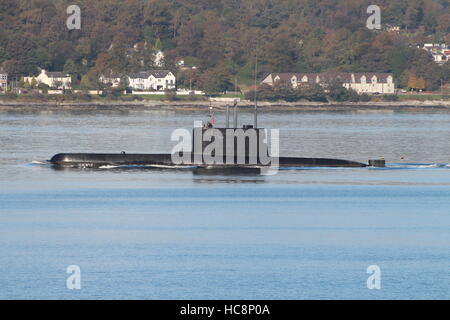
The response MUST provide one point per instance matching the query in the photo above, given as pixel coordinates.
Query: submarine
(229, 158)
(98, 160)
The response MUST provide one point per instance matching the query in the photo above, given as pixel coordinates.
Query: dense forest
(223, 37)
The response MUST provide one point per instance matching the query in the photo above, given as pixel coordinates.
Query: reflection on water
(158, 233)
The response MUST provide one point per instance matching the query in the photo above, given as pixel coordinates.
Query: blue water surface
(164, 234)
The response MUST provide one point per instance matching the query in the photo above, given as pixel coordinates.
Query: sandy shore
(221, 106)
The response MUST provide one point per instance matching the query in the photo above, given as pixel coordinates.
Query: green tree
(85, 82)
(292, 35)
(70, 67)
(337, 92)
(414, 14)
(158, 45)
(57, 84)
(73, 70)
(33, 83)
(216, 81)
(43, 87)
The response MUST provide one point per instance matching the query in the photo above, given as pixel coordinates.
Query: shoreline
(413, 105)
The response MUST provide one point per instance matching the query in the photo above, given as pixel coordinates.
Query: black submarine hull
(97, 160)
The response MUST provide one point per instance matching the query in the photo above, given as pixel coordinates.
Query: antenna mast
(256, 96)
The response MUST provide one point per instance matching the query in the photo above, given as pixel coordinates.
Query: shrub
(390, 97)
(192, 97)
(34, 96)
(352, 96)
(43, 87)
(59, 98)
(364, 97)
(314, 92)
(171, 96)
(82, 97)
(126, 98)
(8, 96)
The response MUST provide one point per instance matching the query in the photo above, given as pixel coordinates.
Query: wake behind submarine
(241, 158)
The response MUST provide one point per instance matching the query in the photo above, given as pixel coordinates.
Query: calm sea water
(162, 234)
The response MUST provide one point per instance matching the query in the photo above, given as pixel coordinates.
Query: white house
(360, 82)
(3, 80)
(439, 51)
(111, 80)
(56, 80)
(392, 28)
(158, 80)
(439, 57)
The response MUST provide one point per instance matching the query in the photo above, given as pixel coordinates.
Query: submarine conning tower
(246, 145)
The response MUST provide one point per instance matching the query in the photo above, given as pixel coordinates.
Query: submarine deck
(95, 160)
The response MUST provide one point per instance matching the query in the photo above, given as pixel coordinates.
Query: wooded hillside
(222, 37)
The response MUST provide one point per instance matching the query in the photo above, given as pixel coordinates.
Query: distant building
(439, 51)
(158, 59)
(3, 80)
(436, 46)
(111, 80)
(439, 57)
(179, 62)
(57, 80)
(447, 54)
(360, 82)
(186, 63)
(157, 80)
(392, 28)
(141, 49)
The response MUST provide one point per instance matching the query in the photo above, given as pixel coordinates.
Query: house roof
(330, 76)
(57, 74)
(148, 73)
(111, 76)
